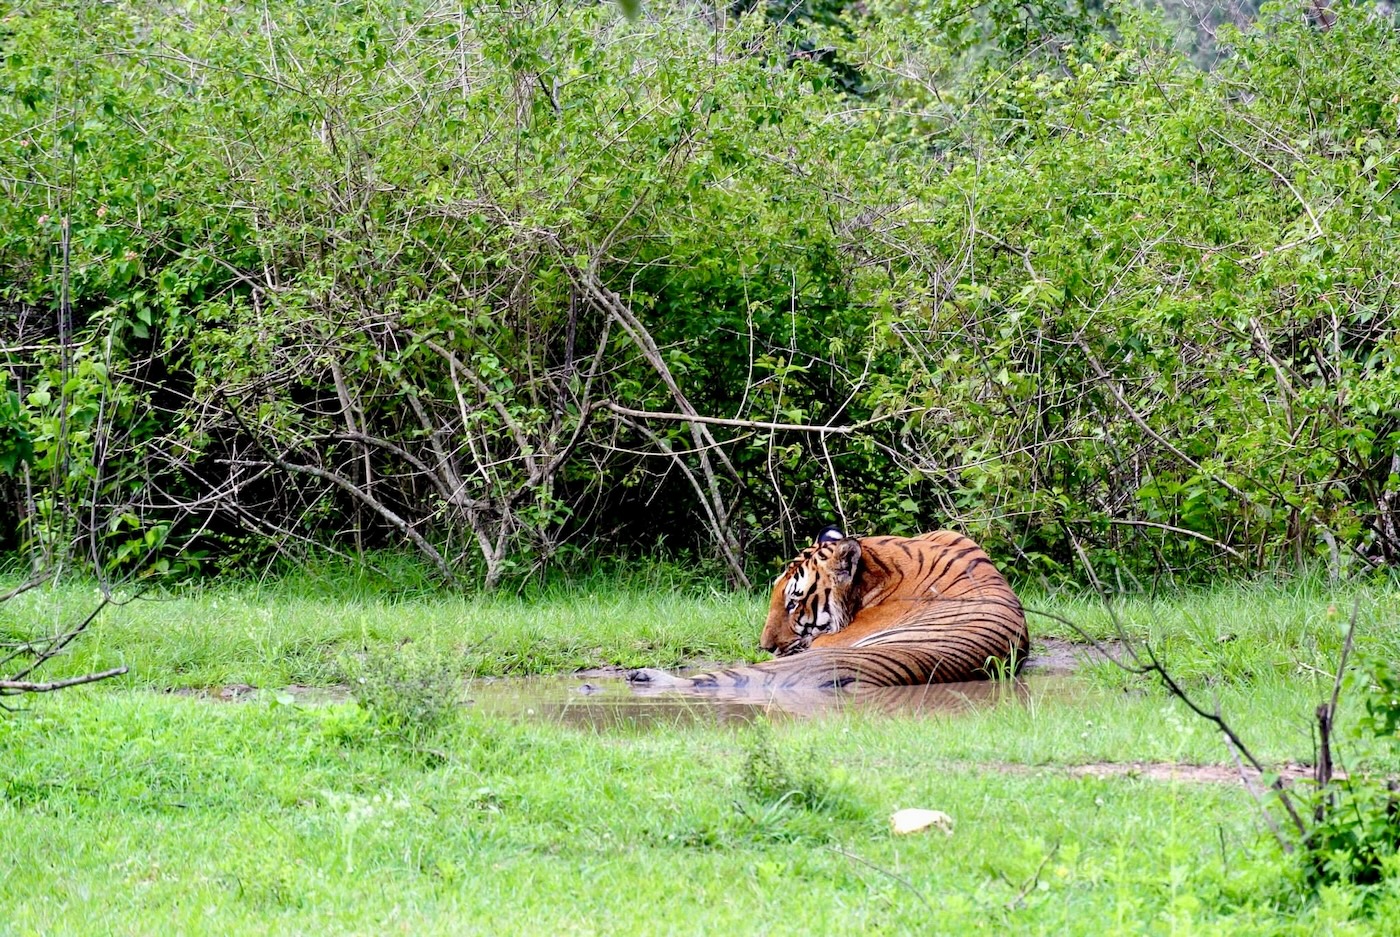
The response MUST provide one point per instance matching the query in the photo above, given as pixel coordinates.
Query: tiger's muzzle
(786, 650)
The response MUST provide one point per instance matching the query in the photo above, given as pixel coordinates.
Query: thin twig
(14, 687)
(886, 872)
(1031, 882)
(1258, 796)
(821, 428)
(32, 583)
(1327, 712)
(1124, 522)
(1346, 652)
(1154, 665)
(53, 649)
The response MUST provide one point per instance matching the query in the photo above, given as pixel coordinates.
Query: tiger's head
(811, 596)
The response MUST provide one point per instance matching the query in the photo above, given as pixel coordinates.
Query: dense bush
(353, 273)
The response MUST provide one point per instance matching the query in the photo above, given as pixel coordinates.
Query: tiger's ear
(830, 533)
(845, 560)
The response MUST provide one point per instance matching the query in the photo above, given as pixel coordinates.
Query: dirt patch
(1158, 771)
(1058, 656)
(244, 693)
(232, 693)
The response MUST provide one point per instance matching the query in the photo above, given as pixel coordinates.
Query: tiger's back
(881, 611)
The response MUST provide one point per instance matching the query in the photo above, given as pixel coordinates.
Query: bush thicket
(465, 273)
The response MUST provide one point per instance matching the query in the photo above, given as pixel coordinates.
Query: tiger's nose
(767, 644)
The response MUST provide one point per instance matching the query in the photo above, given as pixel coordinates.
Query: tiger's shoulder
(939, 564)
(936, 541)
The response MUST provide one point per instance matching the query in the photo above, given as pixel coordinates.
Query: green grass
(299, 630)
(130, 811)
(282, 634)
(143, 814)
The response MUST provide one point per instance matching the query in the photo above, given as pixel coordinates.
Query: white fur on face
(831, 619)
(798, 584)
(826, 620)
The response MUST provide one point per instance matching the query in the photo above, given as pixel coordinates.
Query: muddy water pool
(609, 703)
(603, 700)
(612, 704)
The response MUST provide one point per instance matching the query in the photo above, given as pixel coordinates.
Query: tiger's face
(810, 597)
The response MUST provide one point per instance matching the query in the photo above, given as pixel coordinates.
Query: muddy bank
(1058, 656)
(1160, 771)
(298, 694)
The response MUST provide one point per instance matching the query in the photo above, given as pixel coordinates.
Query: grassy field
(124, 809)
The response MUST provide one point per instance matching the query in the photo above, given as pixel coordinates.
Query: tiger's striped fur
(880, 611)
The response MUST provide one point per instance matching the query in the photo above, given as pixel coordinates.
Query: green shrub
(1356, 837)
(371, 274)
(406, 690)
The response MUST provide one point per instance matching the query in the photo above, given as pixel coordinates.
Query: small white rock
(912, 820)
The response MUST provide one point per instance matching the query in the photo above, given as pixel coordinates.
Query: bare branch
(1143, 425)
(54, 648)
(738, 424)
(1124, 522)
(355, 491)
(32, 583)
(15, 687)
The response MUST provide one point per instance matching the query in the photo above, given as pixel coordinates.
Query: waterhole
(609, 703)
(603, 700)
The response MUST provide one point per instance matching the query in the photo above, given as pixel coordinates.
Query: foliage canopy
(353, 273)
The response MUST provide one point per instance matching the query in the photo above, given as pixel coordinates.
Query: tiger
(878, 611)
